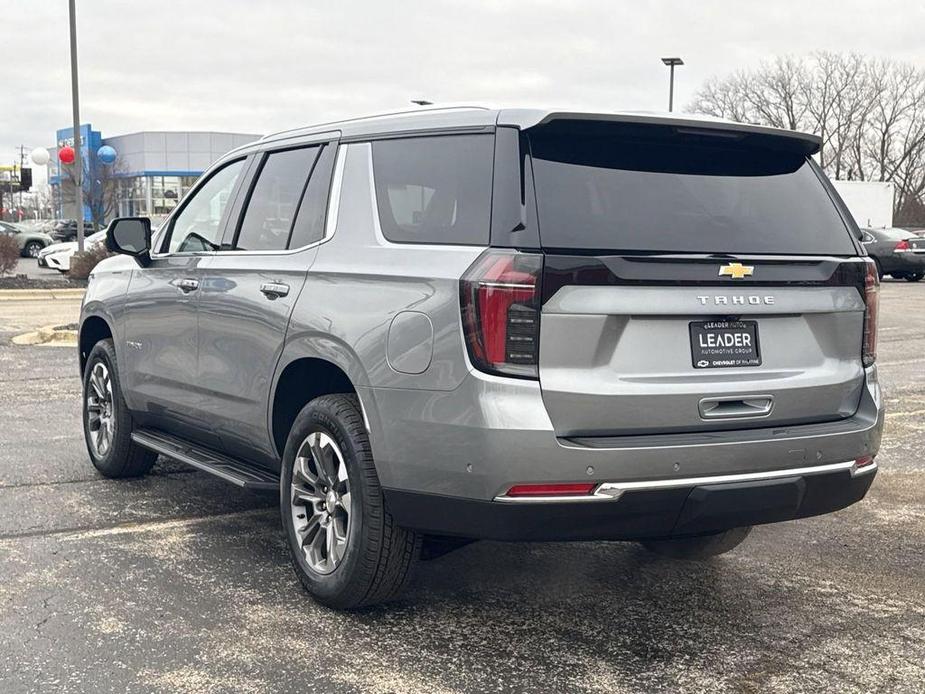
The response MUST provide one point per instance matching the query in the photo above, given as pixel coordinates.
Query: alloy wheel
(320, 502)
(100, 415)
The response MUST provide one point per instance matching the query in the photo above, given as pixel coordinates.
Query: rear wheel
(914, 277)
(344, 544)
(700, 547)
(106, 419)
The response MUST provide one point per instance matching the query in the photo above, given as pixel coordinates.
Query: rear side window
(309, 222)
(274, 200)
(434, 189)
(601, 187)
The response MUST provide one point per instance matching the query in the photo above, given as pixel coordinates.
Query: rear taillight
(500, 301)
(871, 311)
(902, 247)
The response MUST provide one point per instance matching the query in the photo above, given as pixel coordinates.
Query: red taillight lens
(578, 489)
(500, 302)
(902, 247)
(871, 313)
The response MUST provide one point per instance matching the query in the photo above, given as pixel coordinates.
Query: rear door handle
(187, 285)
(274, 290)
(734, 407)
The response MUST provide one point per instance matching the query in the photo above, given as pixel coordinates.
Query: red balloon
(66, 155)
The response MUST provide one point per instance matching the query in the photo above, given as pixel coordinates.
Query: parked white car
(57, 256)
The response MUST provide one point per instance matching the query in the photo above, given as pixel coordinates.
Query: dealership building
(152, 171)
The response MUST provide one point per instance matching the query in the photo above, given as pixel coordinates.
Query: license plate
(724, 343)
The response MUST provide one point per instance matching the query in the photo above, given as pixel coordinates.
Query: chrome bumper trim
(611, 491)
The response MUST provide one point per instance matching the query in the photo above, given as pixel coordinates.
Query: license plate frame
(727, 350)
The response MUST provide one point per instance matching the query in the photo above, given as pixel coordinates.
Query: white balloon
(40, 156)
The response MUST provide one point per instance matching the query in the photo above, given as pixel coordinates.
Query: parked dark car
(897, 252)
(66, 230)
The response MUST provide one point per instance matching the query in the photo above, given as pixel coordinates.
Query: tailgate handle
(735, 407)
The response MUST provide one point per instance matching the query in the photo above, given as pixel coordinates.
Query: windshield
(601, 187)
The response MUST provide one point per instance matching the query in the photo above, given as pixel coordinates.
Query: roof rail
(399, 112)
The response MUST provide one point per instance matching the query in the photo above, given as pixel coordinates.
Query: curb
(47, 336)
(38, 294)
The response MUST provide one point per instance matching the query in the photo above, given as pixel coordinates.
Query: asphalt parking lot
(180, 583)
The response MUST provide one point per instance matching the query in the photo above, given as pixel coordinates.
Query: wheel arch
(302, 379)
(92, 329)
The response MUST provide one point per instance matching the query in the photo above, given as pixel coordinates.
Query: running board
(229, 469)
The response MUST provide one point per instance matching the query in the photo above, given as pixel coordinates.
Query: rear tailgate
(625, 351)
(692, 282)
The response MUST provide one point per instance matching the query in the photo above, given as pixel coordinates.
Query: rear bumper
(640, 512)
(490, 433)
(903, 262)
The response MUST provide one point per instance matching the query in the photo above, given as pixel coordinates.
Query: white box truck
(870, 202)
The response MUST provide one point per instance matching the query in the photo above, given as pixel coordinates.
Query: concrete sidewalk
(41, 294)
(24, 310)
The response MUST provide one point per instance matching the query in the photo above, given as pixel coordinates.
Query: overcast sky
(252, 66)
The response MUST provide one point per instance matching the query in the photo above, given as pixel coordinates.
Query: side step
(229, 469)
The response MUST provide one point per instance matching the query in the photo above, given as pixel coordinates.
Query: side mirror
(130, 236)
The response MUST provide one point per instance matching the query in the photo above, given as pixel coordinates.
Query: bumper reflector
(864, 461)
(577, 489)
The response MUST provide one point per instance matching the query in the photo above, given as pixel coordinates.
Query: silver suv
(463, 323)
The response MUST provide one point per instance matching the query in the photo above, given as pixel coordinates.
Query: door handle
(274, 290)
(733, 407)
(187, 285)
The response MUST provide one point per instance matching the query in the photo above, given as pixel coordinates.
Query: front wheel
(107, 421)
(914, 277)
(344, 544)
(700, 547)
(32, 249)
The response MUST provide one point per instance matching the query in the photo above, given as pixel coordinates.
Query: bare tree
(869, 113)
(101, 189)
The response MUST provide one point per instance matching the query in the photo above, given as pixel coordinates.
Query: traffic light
(25, 179)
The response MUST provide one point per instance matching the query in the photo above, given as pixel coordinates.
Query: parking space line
(74, 534)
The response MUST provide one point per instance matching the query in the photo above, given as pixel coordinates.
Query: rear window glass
(434, 189)
(599, 189)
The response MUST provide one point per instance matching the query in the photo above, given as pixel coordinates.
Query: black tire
(123, 457)
(379, 556)
(914, 277)
(700, 547)
(31, 249)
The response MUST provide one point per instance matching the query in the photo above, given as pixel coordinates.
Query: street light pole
(670, 62)
(75, 101)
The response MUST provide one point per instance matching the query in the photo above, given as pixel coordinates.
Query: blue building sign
(90, 142)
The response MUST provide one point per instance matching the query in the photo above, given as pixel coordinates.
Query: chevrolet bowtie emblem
(736, 271)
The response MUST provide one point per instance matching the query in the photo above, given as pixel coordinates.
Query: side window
(309, 222)
(274, 200)
(434, 189)
(197, 227)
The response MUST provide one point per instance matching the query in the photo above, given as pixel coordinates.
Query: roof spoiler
(805, 143)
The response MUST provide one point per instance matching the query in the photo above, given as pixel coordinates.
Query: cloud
(258, 67)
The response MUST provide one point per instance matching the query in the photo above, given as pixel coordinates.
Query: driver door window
(197, 227)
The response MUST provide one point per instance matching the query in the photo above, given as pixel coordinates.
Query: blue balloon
(106, 154)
